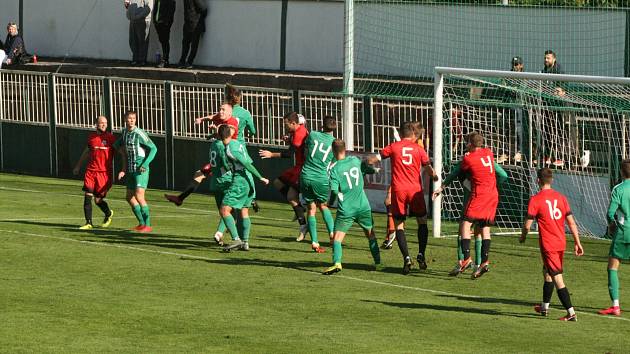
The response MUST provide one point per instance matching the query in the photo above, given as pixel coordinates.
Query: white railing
(143, 96)
(79, 100)
(190, 102)
(24, 97)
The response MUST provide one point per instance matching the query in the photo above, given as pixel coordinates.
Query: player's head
(225, 133)
(339, 149)
(625, 168)
(130, 119)
(475, 140)
(291, 121)
(329, 124)
(226, 111)
(101, 124)
(232, 94)
(418, 129)
(407, 130)
(550, 58)
(545, 176)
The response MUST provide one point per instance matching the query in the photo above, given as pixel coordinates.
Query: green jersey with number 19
(346, 180)
(318, 153)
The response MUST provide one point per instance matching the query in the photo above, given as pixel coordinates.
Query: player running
(98, 174)
(481, 207)
(618, 212)
(139, 151)
(240, 193)
(346, 182)
(225, 116)
(456, 173)
(551, 209)
(407, 160)
(314, 182)
(288, 182)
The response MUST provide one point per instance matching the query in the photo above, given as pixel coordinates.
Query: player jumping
(551, 209)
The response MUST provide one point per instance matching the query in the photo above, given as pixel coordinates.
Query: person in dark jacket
(163, 14)
(2, 54)
(139, 16)
(195, 12)
(13, 45)
(551, 63)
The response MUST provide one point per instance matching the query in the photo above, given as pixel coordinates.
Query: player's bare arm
(123, 156)
(527, 225)
(82, 159)
(579, 251)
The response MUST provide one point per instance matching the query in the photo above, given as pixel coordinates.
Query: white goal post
(577, 125)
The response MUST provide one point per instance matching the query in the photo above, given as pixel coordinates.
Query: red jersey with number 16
(484, 197)
(550, 208)
(406, 158)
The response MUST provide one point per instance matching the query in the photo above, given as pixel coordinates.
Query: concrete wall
(405, 40)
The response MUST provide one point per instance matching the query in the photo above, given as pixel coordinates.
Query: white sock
(571, 311)
(616, 303)
(545, 306)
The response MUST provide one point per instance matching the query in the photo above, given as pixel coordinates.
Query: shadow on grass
(433, 307)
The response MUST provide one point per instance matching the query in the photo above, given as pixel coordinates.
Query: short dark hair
(338, 146)
(407, 130)
(549, 51)
(130, 112)
(232, 94)
(625, 168)
(418, 128)
(475, 139)
(545, 175)
(292, 117)
(225, 131)
(329, 124)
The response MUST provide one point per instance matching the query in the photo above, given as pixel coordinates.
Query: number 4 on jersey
(487, 163)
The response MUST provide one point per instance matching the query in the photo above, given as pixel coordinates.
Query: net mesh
(397, 43)
(580, 130)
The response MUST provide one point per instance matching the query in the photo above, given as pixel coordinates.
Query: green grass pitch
(111, 290)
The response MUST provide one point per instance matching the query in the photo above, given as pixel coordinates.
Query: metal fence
(78, 100)
(24, 97)
(143, 96)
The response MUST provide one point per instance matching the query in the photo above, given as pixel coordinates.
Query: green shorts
(315, 191)
(240, 194)
(137, 180)
(619, 249)
(363, 218)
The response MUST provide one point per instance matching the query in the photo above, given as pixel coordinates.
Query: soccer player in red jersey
(484, 198)
(407, 198)
(551, 210)
(98, 174)
(288, 182)
(223, 117)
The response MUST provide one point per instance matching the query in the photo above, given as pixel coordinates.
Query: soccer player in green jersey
(139, 151)
(240, 193)
(346, 182)
(314, 183)
(618, 214)
(220, 180)
(456, 173)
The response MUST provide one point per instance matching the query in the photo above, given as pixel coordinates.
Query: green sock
(460, 254)
(613, 284)
(328, 220)
(477, 251)
(376, 254)
(146, 215)
(231, 226)
(337, 252)
(312, 228)
(221, 227)
(137, 211)
(247, 225)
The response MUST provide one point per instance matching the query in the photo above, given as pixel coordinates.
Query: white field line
(374, 282)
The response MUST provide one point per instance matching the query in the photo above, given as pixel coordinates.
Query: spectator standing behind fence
(163, 13)
(551, 63)
(13, 45)
(517, 65)
(139, 16)
(195, 12)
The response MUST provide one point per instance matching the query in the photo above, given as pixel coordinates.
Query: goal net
(576, 125)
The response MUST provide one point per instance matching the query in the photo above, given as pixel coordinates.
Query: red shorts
(97, 183)
(408, 203)
(552, 261)
(482, 209)
(291, 176)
